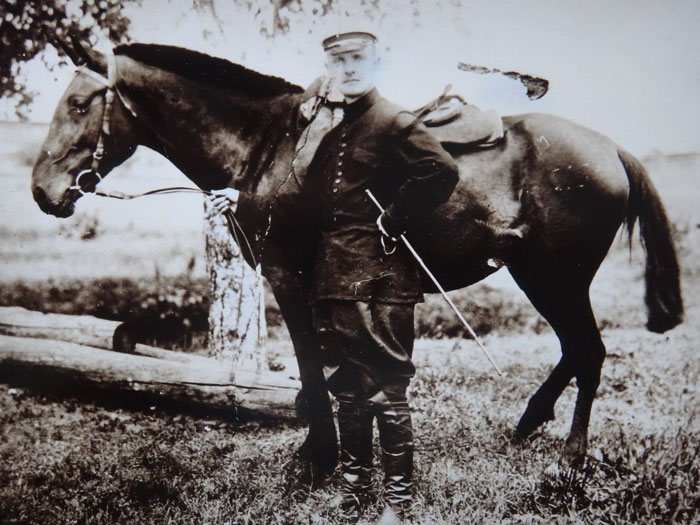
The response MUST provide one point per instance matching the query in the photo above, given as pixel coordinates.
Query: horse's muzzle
(64, 208)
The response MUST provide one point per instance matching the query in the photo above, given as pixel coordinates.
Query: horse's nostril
(39, 195)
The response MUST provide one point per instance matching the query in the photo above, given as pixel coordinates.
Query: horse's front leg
(318, 456)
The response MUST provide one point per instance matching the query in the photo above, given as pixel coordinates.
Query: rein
(234, 227)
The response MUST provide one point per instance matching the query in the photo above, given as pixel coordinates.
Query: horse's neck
(215, 137)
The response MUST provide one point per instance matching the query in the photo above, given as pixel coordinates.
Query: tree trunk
(237, 330)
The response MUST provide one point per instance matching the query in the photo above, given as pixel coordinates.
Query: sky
(629, 69)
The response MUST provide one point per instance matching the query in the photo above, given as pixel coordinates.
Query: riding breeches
(367, 348)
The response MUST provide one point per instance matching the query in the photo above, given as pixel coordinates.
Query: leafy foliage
(276, 17)
(27, 26)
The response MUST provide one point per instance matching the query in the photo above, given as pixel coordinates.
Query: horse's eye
(80, 106)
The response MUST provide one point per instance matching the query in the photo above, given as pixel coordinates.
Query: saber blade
(441, 289)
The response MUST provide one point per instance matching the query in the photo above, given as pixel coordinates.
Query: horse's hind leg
(566, 306)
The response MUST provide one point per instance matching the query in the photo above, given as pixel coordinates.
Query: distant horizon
(653, 152)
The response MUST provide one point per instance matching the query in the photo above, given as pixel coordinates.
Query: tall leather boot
(396, 438)
(355, 428)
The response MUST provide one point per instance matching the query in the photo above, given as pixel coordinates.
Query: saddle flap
(454, 121)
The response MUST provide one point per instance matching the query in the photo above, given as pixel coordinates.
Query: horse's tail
(662, 275)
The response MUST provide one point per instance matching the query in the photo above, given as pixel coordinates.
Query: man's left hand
(223, 200)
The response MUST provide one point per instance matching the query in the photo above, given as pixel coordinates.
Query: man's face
(353, 71)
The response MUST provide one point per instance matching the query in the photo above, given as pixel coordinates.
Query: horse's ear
(89, 57)
(79, 55)
(61, 45)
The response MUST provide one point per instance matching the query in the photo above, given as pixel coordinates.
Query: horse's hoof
(517, 438)
(303, 473)
(553, 471)
(575, 450)
(524, 430)
(300, 475)
(565, 465)
(565, 468)
(531, 422)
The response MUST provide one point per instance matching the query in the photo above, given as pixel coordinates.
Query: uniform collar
(362, 104)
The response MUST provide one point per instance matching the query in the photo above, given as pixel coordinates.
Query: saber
(441, 289)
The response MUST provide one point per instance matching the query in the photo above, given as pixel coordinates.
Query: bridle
(110, 88)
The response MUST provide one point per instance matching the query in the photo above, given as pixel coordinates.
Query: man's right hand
(223, 200)
(388, 241)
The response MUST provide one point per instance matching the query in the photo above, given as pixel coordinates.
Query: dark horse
(546, 202)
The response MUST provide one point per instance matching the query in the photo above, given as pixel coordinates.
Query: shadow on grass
(64, 385)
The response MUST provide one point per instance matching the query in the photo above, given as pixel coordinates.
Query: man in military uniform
(366, 283)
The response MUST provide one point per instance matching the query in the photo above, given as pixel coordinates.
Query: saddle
(454, 122)
(449, 118)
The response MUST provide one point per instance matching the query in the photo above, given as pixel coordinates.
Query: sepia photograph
(372, 262)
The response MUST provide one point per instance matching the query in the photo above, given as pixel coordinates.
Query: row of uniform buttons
(341, 154)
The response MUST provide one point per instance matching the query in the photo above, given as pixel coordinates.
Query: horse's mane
(207, 69)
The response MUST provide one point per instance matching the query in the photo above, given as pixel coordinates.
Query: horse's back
(581, 155)
(573, 191)
(551, 188)
(545, 163)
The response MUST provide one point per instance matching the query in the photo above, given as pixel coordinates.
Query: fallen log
(79, 329)
(194, 380)
(83, 330)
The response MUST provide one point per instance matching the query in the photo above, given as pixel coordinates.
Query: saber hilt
(441, 289)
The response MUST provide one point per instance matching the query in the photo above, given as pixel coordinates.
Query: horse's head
(91, 132)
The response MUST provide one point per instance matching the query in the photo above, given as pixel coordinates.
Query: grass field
(75, 457)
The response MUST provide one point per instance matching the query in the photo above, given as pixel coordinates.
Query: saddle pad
(455, 122)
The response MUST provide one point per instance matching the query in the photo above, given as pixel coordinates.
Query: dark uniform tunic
(379, 147)
(363, 297)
